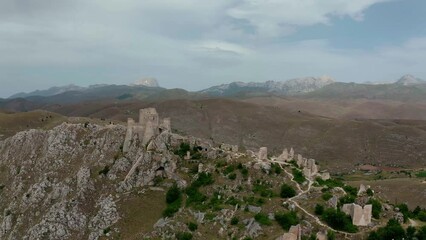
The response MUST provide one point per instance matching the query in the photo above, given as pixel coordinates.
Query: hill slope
(339, 143)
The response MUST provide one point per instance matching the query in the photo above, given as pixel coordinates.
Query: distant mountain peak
(148, 82)
(409, 79)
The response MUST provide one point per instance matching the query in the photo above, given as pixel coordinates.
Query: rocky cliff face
(68, 182)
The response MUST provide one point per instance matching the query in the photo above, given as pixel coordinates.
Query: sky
(195, 44)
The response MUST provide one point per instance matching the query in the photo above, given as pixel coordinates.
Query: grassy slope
(10, 123)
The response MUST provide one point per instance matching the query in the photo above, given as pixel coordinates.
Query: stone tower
(148, 127)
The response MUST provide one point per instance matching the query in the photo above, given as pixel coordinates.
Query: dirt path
(301, 192)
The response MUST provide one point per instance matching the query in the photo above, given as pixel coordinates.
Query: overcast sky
(194, 44)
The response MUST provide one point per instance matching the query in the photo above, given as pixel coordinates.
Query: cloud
(183, 43)
(277, 17)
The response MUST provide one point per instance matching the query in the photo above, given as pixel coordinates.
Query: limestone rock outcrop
(65, 183)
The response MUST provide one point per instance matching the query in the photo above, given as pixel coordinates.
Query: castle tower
(149, 124)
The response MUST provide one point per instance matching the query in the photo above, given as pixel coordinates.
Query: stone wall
(361, 216)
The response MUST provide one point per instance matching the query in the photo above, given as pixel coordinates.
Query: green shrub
(338, 220)
(251, 200)
(234, 220)
(403, 208)
(392, 230)
(422, 216)
(411, 232)
(298, 176)
(370, 192)
(327, 196)
(263, 188)
(421, 174)
(350, 190)
(331, 235)
(287, 191)
(275, 168)
(194, 196)
(173, 194)
(232, 176)
(262, 219)
(347, 199)
(377, 207)
(192, 226)
(233, 201)
(107, 230)
(172, 208)
(183, 148)
(216, 202)
(286, 220)
(203, 179)
(183, 236)
(244, 172)
(193, 193)
(104, 171)
(229, 169)
(330, 183)
(421, 233)
(319, 209)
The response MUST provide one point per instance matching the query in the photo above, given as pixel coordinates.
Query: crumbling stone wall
(361, 216)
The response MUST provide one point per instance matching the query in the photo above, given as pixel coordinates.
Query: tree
(331, 235)
(319, 209)
(377, 207)
(411, 232)
(338, 220)
(392, 230)
(421, 233)
(286, 220)
(287, 191)
(173, 194)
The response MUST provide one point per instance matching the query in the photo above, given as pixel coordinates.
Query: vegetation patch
(193, 193)
(287, 191)
(338, 220)
(394, 230)
(298, 176)
(287, 219)
(173, 200)
(421, 174)
(377, 207)
(183, 236)
(263, 188)
(262, 219)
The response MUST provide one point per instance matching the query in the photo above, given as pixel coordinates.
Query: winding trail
(301, 192)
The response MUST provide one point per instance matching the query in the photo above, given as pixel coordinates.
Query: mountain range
(292, 87)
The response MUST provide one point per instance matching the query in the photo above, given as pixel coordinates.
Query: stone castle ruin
(309, 168)
(149, 126)
(361, 216)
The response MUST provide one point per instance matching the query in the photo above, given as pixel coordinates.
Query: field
(398, 190)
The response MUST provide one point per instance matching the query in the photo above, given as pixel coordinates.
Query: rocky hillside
(75, 182)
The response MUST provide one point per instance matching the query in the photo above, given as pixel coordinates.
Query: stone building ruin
(149, 125)
(263, 154)
(361, 216)
(294, 233)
